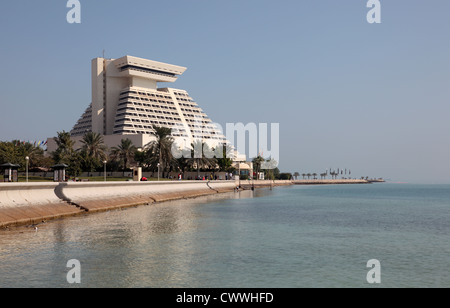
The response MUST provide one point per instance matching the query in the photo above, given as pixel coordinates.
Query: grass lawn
(35, 179)
(111, 179)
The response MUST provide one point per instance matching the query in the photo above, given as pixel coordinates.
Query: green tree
(141, 158)
(285, 176)
(182, 164)
(15, 152)
(34, 153)
(8, 153)
(28, 150)
(64, 151)
(65, 154)
(75, 164)
(94, 147)
(124, 152)
(93, 152)
(160, 150)
(201, 157)
(225, 162)
(257, 163)
(276, 173)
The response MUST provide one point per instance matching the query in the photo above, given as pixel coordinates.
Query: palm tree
(160, 150)
(296, 174)
(182, 164)
(65, 153)
(124, 152)
(93, 151)
(257, 163)
(200, 153)
(225, 162)
(64, 149)
(303, 175)
(309, 175)
(29, 150)
(94, 147)
(315, 176)
(18, 151)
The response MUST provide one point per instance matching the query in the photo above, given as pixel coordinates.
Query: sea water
(288, 237)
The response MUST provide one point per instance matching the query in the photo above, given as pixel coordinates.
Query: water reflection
(143, 246)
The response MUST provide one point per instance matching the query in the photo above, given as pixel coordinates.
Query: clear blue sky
(348, 94)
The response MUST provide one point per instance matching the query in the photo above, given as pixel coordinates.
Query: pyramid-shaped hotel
(126, 103)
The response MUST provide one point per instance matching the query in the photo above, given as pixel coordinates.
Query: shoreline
(59, 200)
(248, 184)
(52, 201)
(335, 182)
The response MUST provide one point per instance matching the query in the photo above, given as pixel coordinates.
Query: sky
(373, 98)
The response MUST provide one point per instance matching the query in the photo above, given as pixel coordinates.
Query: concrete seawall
(32, 203)
(94, 197)
(330, 182)
(248, 184)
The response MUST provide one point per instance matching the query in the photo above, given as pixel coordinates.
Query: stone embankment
(330, 182)
(33, 203)
(258, 184)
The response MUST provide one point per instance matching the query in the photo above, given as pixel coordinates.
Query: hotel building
(126, 103)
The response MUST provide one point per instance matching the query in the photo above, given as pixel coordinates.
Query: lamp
(28, 160)
(104, 163)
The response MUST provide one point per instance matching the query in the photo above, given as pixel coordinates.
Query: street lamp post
(239, 163)
(28, 160)
(104, 163)
(159, 165)
(253, 179)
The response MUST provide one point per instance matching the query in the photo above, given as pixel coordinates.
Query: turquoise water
(302, 236)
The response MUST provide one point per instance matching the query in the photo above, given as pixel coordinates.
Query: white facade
(126, 103)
